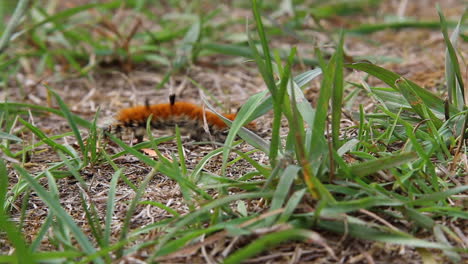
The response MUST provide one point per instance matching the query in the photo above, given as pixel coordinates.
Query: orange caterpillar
(189, 117)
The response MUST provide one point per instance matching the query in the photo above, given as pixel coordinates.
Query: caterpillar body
(190, 118)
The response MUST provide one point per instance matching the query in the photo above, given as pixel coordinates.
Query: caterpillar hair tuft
(189, 117)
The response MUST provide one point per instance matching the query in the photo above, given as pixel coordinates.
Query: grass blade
(19, 106)
(337, 94)
(20, 9)
(110, 207)
(46, 139)
(59, 212)
(66, 112)
(368, 233)
(431, 100)
(438, 196)
(266, 49)
(68, 13)
(268, 241)
(369, 167)
(7, 136)
(285, 182)
(132, 206)
(453, 75)
(371, 28)
(244, 113)
(187, 219)
(246, 52)
(22, 253)
(416, 102)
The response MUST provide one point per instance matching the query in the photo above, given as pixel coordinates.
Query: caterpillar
(190, 118)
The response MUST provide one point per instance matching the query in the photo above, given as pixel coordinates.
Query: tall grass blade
(110, 207)
(337, 94)
(267, 72)
(71, 122)
(453, 75)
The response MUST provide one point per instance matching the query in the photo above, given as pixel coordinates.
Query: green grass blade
(265, 47)
(418, 218)
(369, 167)
(41, 233)
(143, 145)
(390, 98)
(371, 28)
(110, 205)
(327, 9)
(416, 102)
(59, 212)
(303, 105)
(305, 77)
(355, 205)
(161, 206)
(71, 122)
(390, 78)
(3, 185)
(46, 139)
(68, 13)
(453, 75)
(275, 146)
(92, 141)
(268, 241)
(368, 233)
(131, 208)
(180, 150)
(187, 219)
(244, 113)
(7, 136)
(301, 80)
(19, 106)
(22, 253)
(337, 94)
(163, 168)
(194, 176)
(20, 10)
(246, 116)
(246, 52)
(291, 205)
(317, 145)
(185, 51)
(437, 196)
(22, 185)
(55, 256)
(264, 64)
(282, 189)
(187, 237)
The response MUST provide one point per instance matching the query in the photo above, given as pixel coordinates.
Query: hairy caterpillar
(189, 117)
